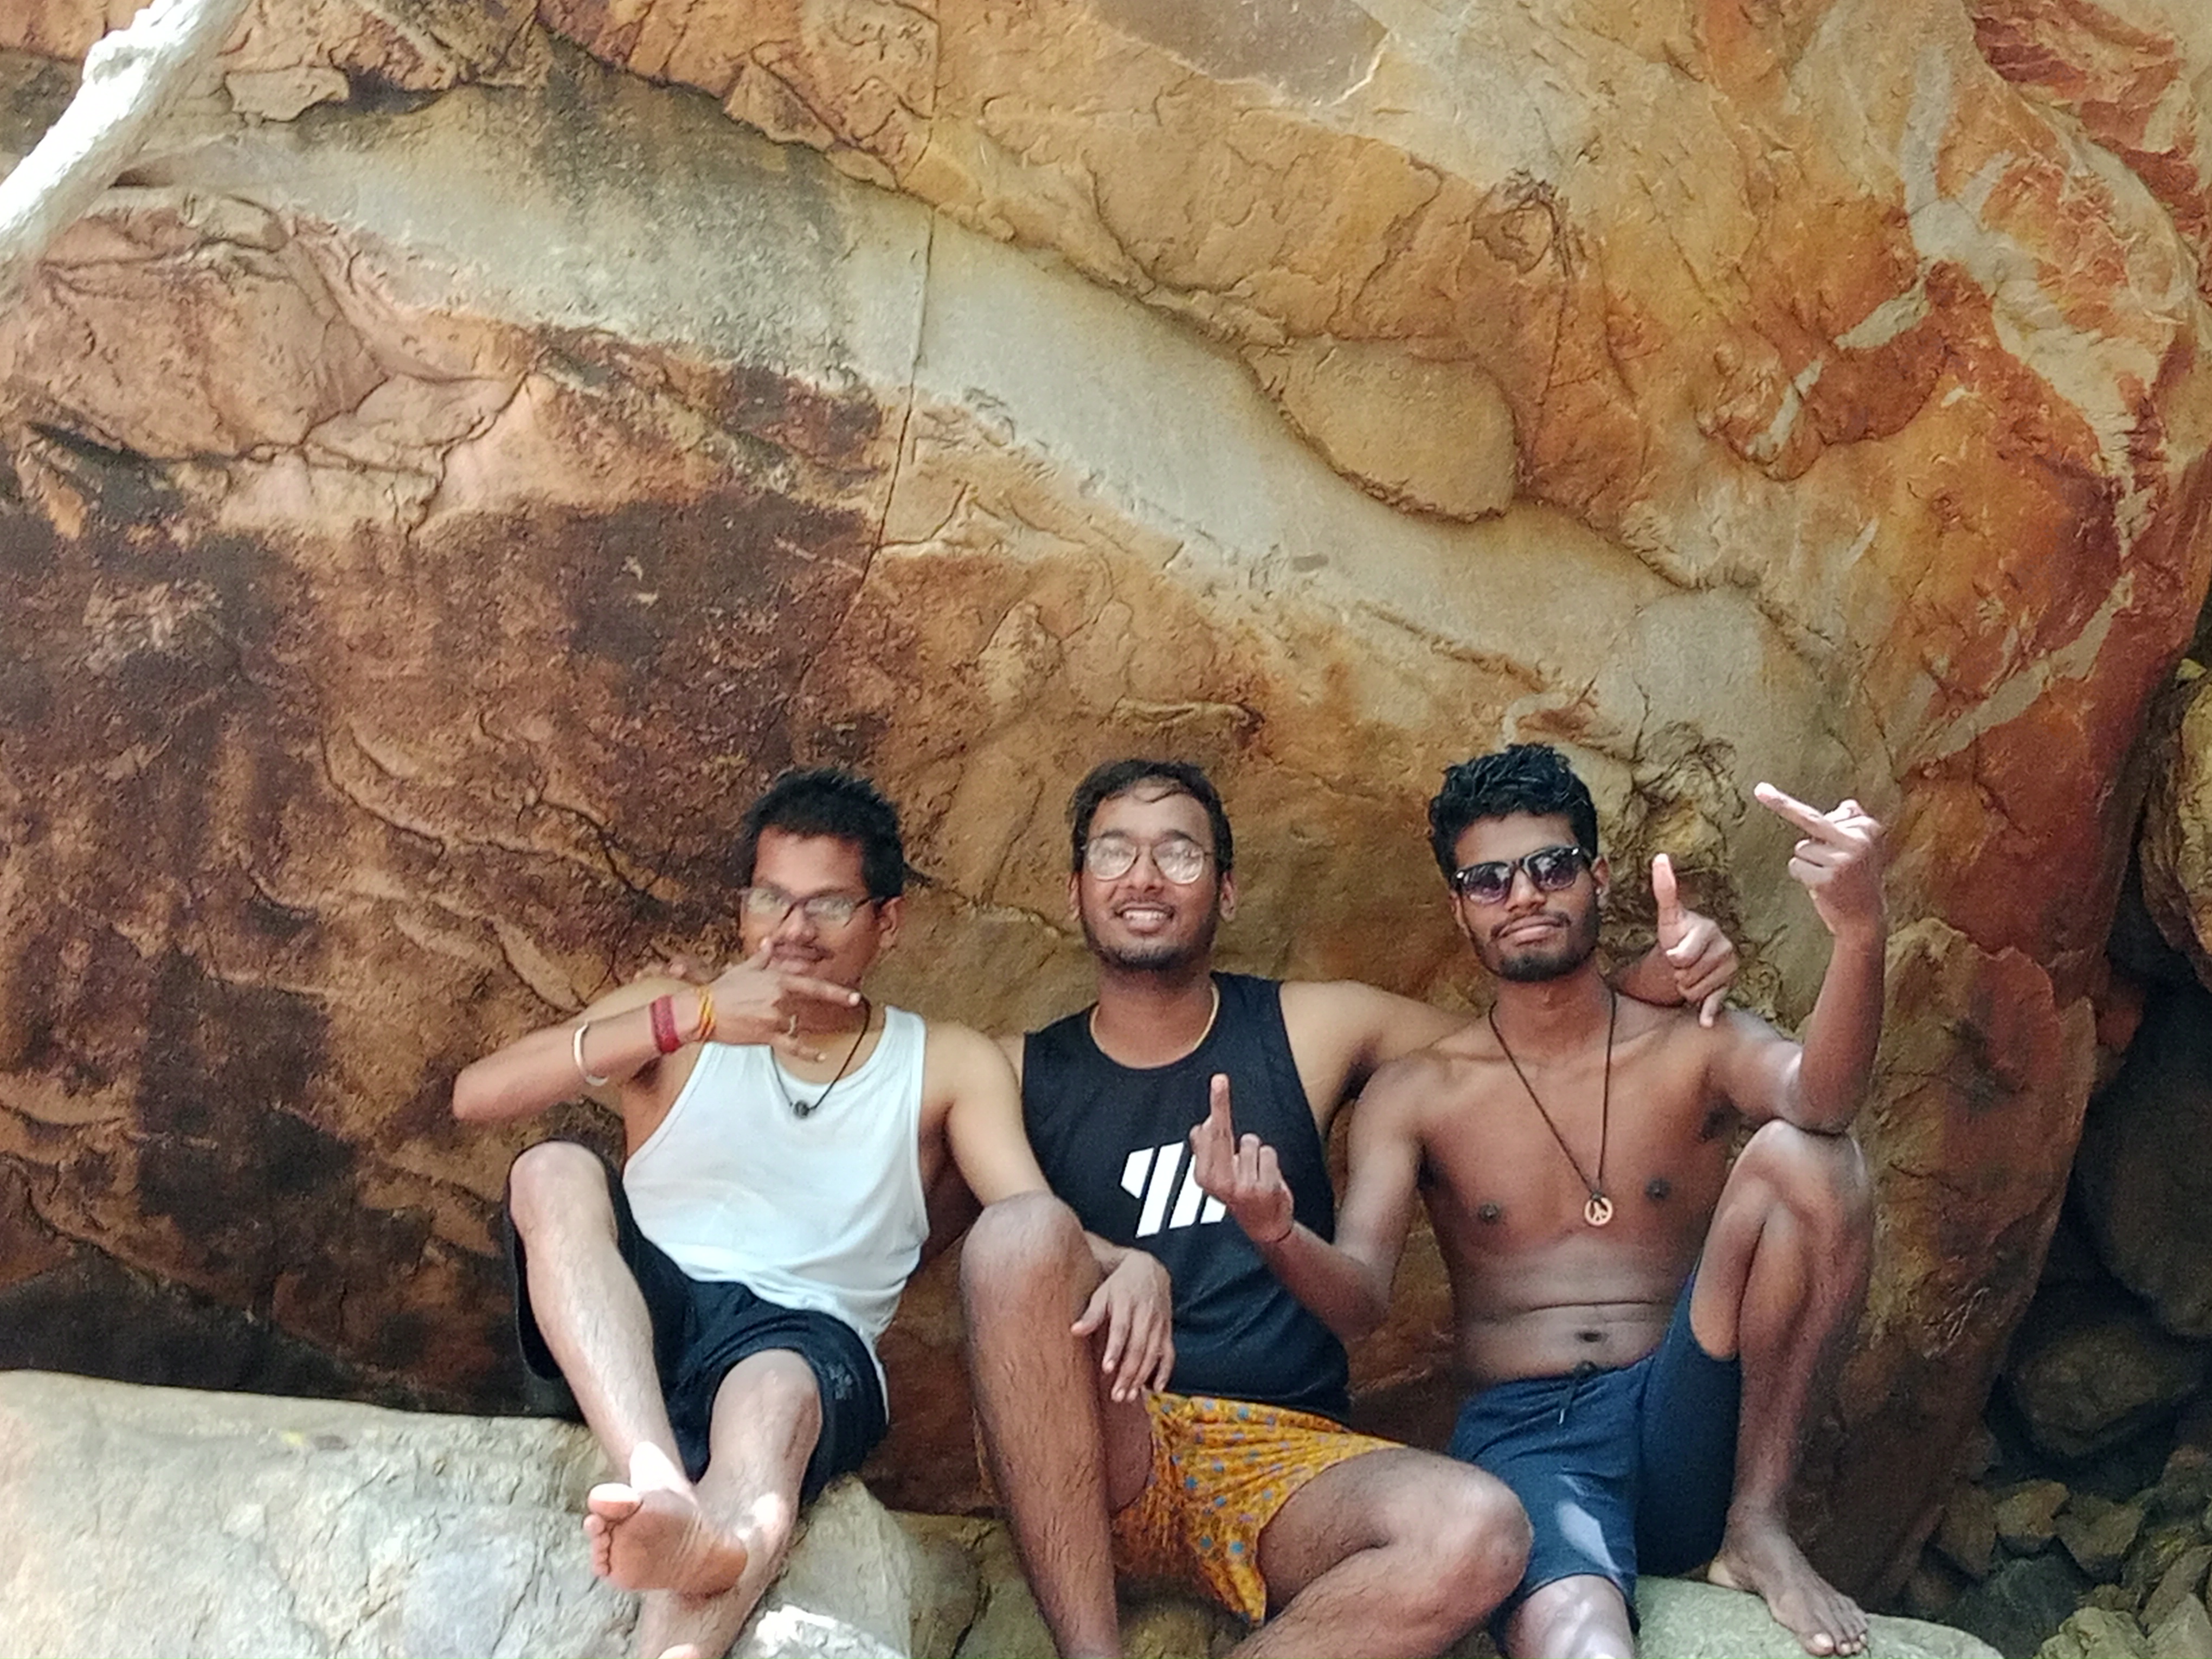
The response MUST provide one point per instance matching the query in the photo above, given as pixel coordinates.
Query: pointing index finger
(1792, 810)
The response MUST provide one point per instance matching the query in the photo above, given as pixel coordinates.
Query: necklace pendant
(804, 1108)
(1598, 1211)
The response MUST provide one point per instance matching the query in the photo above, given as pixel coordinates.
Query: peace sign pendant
(1598, 1211)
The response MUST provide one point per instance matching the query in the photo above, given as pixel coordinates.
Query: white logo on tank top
(1150, 1173)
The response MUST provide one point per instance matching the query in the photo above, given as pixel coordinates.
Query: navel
(1489, 1214)
(1589, 1336)
(1658, 1189)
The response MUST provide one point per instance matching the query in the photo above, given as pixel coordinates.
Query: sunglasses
(1551, 870)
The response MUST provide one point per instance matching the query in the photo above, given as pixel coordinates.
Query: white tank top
(824, 1212)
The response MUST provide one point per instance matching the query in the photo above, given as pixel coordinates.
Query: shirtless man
(715, 1309)
(1643, 1322)
(1242, 1482)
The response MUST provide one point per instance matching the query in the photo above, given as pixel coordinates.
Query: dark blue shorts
(1618, 1469)
(702, 1328)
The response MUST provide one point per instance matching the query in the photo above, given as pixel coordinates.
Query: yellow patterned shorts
(1221, 1469)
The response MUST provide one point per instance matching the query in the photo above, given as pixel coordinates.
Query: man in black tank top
(1240, 1479)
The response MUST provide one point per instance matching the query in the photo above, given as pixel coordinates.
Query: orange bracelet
(706, 1016)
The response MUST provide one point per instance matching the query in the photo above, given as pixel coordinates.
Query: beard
(1153, 956)
(1533, 964)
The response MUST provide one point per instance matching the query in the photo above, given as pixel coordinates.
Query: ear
(1602, 875)
(1225, 898)
(890, 914)
(1075, 896)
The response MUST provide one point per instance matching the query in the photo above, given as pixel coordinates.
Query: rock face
(2142, 1177)
(468, 460)
(141, 1520)
(2176, 845)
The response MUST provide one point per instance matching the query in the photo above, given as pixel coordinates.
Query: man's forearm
(1843, 1035)
(1349, 1296)
(547, 1067)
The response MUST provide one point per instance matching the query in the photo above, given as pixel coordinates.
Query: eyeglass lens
(1111, 857)
(773, 904)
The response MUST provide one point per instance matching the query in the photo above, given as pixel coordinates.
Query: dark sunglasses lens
(1485, 883)
(1554, 869)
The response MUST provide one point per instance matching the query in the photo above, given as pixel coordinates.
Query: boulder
(2145, 1186)
(167, 1522)
(2184, 1581)
(2020, 1606)
(1967, 1536)
(2185, 1632)
(2098, 1633)
(2098, 1533)
(2089, 1370)
(2175, 845)
(482, 445)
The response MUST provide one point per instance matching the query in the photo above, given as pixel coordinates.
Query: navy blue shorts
(1618, 1469)
(702, 1328)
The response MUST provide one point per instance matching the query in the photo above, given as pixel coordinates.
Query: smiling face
(1139, 919)
(802, 867)
(1529, 935)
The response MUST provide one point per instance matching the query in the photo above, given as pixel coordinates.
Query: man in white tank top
(715, 1309)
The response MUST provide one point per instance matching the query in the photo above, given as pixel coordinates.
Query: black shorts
(702, 1328)
(1618, 1469)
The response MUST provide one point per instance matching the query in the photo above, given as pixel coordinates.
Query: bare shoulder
(1011, 1044)
(1363, 1014)
(1404, 1089)
(956, 1058)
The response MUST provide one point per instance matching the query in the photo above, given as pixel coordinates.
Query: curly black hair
(1522, 777)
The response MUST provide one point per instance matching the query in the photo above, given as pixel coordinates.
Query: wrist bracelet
(665, 1037)
(577, 1049)
(706, 1016)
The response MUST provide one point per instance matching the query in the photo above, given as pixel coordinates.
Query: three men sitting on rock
(1157, 1350)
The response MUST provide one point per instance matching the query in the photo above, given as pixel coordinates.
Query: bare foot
(651, 1535)
(1762, 1557)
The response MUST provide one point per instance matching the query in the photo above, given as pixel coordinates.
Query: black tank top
(1114, 1142)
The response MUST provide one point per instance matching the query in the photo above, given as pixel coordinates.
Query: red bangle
(665, 1037)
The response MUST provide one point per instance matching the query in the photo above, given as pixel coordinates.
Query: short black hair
(827, 800)
(1521, 777)
(1119, 777)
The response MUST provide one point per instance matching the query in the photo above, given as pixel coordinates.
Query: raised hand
(1839, 860)
(1131, 1304)
(1702, 956)
(1243, 1173)
(755, 1003)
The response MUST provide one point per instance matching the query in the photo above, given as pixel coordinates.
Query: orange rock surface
(463, 462)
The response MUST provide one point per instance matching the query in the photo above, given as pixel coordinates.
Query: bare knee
(1822, 1180)
(557, 1183)
(1480, 1536)
(1018, 1245)
(1583, 1617)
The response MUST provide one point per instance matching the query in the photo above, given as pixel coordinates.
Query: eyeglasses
(1551, 869)
(828, 911)
(1178, 858)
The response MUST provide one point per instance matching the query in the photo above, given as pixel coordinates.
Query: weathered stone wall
(457, 471)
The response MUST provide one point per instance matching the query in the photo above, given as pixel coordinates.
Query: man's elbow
(475, 1101)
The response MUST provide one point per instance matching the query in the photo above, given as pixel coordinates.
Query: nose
(1522, 890)
(795, 925)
